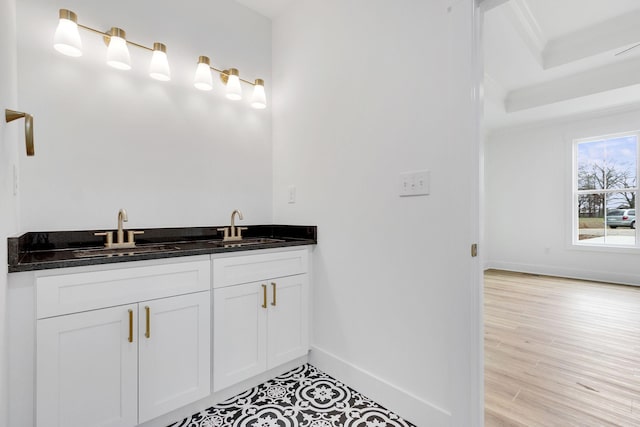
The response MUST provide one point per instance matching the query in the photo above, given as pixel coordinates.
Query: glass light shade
(159, 68)
(202, 79)
(117, 52)
(259, 98)
(67, 38)
(234, 91)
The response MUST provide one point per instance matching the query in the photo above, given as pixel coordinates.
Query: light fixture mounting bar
(224, 75)
(106, 37)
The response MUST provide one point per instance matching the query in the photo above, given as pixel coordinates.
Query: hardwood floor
(560, 352)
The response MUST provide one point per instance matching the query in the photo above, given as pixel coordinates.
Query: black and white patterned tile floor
(303, 397)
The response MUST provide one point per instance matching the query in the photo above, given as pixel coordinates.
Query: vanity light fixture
(67, 41)
(67, 38)
(117, 51)
(259, 99)
(159, 67)
(202, 79)
(232, 80)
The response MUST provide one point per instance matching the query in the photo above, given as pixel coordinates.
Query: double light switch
(414, 183)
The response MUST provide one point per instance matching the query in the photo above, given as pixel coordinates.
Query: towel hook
(11, 115)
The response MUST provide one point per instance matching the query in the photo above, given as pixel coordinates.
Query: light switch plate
(415, 183)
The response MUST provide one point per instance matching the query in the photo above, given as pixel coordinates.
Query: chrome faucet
(233, 232)
(120, 243)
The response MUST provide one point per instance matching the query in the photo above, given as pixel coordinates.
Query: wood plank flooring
(560, 352)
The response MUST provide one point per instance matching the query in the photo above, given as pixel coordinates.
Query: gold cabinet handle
(273, 286)
(264, 296)
(130, 325)
(148, 331)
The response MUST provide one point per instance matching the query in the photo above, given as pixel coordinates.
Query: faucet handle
(239, 230)
(131, 234)
(108, 238)
(226, 231)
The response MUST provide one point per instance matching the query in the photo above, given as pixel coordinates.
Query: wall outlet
(415, 183)
(292, 194)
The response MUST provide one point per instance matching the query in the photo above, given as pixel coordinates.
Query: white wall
(528, 208)
(107, 139)
(365, 90)
(10, 138)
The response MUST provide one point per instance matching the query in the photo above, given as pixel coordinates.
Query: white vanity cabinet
(174, 353)
(121, 346)
(87, 370)
(260, 314)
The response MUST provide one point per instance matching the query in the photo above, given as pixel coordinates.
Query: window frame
(575, 193)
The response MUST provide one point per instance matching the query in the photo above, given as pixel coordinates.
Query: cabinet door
(175, 352)
(288, 335)
(87, 369)
(239, 333)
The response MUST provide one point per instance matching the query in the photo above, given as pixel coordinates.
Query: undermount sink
(245, 242)
(100, 252)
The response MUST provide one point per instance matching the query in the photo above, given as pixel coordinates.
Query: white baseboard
(572, 273)
(408, 406)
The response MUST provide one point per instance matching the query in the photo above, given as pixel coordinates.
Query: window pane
(621, 201)
(619, 220)
(607, 164)
(620, 162)
(591, 165)
(591, 218)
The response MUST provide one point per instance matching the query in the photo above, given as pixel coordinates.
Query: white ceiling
(269, 8)
(546, 59)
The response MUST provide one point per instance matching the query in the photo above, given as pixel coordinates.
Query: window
(605, 189)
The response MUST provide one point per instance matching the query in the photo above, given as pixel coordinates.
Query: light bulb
(117, 52)
(234, 91)
(159, 68)
(202, 79)
(259, 98)
(67, 39)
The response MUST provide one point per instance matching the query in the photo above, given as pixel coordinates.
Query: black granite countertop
(58, 249)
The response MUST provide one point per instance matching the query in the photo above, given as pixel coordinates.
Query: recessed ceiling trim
(615, 33)
(527, 27)
(611, 77)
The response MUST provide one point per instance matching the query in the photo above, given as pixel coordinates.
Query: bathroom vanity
(121, 338)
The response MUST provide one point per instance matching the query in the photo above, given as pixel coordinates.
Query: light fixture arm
(224, 76)
(11, 115)
(106, 37)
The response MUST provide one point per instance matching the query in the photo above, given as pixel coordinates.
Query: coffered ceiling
(545, 59)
